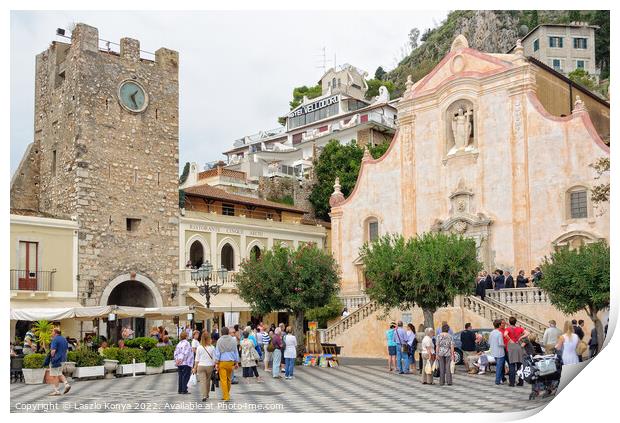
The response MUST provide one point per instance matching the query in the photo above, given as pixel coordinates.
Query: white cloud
(237, 69)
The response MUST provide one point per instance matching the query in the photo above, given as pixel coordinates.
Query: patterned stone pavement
(356, 387)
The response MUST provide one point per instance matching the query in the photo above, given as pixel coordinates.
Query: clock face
(132, 96)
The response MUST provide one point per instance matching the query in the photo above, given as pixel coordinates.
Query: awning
(43, 310)
(224, 301)
(89, 313)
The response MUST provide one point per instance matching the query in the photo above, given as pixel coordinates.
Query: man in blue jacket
(56, 360)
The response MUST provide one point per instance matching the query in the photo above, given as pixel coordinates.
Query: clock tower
(105, 151)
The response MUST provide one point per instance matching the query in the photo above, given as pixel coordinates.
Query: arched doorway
(228, 257)
(130, 293)
(196, 254)
(255, 252)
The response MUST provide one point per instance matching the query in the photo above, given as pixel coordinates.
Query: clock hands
(133, 98)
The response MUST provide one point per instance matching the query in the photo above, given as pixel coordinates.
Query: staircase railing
(519, 296)
(521, 317)
(351, 320)
(492, 310)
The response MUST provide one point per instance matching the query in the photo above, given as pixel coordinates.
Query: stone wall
(25, 182)
(280, 187)
(110, 164)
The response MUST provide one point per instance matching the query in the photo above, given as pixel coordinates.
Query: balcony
(229, 284)
(41, 281)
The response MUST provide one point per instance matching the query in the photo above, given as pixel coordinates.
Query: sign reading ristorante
(238, 231)
(314, 106)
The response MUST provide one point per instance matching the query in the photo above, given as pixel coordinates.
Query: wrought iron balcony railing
(41, 280)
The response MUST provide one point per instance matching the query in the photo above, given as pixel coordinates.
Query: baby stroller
(542, 372)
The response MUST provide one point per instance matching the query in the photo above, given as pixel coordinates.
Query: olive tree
(429, 271)
(578, 279)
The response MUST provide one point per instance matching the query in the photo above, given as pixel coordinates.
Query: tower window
(53, 162)
(580, 43)
(132, 224)
(135, 176)
(158, 178)
(536, 45)
(556, 42)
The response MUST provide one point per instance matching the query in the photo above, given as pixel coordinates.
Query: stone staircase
(356, 316)
(494, 307)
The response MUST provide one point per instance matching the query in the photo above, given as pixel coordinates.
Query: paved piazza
(356, 387)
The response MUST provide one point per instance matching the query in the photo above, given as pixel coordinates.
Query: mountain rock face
(491, 31)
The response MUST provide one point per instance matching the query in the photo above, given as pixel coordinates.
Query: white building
(341, 113)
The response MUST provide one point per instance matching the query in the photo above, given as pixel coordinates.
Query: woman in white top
(195, 340)
(290, 353)
(203, 364)
(568, 344)
(427, 355)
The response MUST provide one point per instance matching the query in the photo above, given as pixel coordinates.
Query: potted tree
(127, 365)
(169, 364)
(154, 362)
(33, 370)
(43, 331)
(110, 361)
(88, 364)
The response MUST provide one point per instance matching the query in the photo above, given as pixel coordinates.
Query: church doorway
(133, 294)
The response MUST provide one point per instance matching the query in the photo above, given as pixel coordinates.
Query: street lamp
(203, 275)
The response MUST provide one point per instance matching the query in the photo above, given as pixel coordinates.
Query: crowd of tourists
(212, 358)
(505, 347)
(503, 279)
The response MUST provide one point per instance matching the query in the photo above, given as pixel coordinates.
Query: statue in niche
(462, 129)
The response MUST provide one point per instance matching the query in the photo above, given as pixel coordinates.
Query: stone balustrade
(353, 302)
(492, 310)
(228, 283)
(351, 320)
(519, 296)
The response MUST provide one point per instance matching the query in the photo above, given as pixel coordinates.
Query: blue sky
(237, 69)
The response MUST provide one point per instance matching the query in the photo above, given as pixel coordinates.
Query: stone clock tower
(105, 151)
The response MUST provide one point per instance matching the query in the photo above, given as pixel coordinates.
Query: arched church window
(460, 126)
(228, 257)
(196, 254)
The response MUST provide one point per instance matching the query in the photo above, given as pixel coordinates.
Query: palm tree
(43, 331)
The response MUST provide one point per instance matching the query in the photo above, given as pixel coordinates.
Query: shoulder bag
(403, 347)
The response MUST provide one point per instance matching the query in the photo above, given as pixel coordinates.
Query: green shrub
(155, 358)
(126, 355)
(87, 358)
(143, 343)
(110, 353)
(168, 352)
(174, 341)
(34, 361)
(71, 356)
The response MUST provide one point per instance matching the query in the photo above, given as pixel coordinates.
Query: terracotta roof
(208, 191)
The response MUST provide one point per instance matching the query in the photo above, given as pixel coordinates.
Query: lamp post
(207, 282)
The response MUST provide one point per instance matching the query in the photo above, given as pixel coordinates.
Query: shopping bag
(428, 369)
(452, 367)
(435, 369)
(192, 381)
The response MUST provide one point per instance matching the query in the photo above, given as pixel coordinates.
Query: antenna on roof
(323, 65)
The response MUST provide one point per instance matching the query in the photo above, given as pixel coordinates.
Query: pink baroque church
(475, 153)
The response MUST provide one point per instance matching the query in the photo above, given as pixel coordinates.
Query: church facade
(477, 154)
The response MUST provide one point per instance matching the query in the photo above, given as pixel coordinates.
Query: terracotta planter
(154, 370)
(34, 376)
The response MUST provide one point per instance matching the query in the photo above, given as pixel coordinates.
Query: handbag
(215, 380)
(403, 347)
(582, 347)
(435, 369)
(271, 348)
